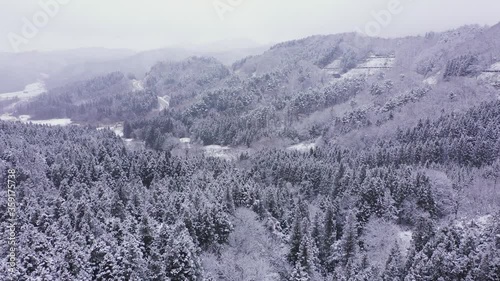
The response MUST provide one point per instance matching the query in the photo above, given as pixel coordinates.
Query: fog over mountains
(332, 157)
(61, 67)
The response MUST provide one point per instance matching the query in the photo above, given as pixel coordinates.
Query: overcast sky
(150, 24)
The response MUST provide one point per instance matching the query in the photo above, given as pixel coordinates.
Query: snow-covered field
(302, 147)
(404, 240)
(53, 122)
(433, 80)
(357, 72)
(336, 64)
(491, 77)
(495, 66)
(371, 66)
(8, 117)
(117, 128)
(31, 90)
(26, 119)
(378, 62)
(218, 151)
(225, 152)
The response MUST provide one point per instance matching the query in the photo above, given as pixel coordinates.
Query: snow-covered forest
(338, 157)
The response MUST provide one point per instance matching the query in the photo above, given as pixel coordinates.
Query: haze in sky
(148, 24)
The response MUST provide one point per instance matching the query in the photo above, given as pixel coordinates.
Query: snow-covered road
(164, 102)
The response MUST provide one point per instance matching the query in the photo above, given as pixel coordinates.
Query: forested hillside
(338, 157)
(105, 98)
(289, 92)
(59, 68)
(92, 210)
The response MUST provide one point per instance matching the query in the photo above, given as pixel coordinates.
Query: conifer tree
(295, 241)
(348, 244)
(394, 265)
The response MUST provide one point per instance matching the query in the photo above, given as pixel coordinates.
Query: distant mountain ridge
(62, 67)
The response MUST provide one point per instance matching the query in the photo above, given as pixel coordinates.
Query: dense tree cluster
(469, 139)
(103, 212)
(92, 208)
(242, 113)
(465, 65)
(89, 209)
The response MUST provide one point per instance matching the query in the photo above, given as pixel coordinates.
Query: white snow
(336, 64)
(495, 66)
(378, 62)
(137, 84)
(218, 151)
(185, 142)
(26, 119)
(483, 221)
(8, 117)
(31, 90)
(431, 80)
(164, 102)
(371, 66)
(117, 128)
(52, 122)
(404, 240)
(356, 72)
(303, 147)
(491, 77)
(118, 131)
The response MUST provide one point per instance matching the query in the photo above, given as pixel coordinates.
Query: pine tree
(222, 226)
(394, 265)
(299, 273)
(127, 130)
(146, 236)
(229, 200)
(295, 241)
(348, 244)
(308, 253)
(174, 255)
(328, 239)
(424, 231)
(316, 232)
(410, 258)
(102, 260)
(182, 262)
(330, 228)
(133, 265)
